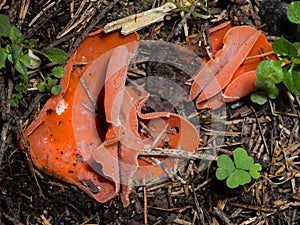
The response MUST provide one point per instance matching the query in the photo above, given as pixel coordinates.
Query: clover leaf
(238, 177)
(237, 172)
(254, 170)
(242, 160)
(226, 167)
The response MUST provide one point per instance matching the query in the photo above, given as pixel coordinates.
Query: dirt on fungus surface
(270, 135)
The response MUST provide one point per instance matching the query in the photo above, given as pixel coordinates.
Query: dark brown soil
(272, 139)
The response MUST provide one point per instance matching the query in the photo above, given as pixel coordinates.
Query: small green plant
(17, 52)
(237, 172)
(272, 73)
(202, 5)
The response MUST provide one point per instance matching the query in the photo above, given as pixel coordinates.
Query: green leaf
(270, 69)
(297, 46)
(224, 161)
(14, 102)
(269, 87)
(244, 177)
(222, 173)
(254, 170)
(15, 35)
(56, 55)
(41, 86)
(259, 97)
(24, 78)
(293, 12)
(187, 10)
(16, 52)
(3, 57)
(233, 180)
(273, 92)
(25, 59)
(51, 83)
(242, 160)
(56, 89)
(226, 167)
(18, 95)
(297, 60)
(8, 51)
(20, 87)
(238, 177)
(58, 71)
(284, 47)
(292, 81)
(5, 26)
(10, 58)
(30, 43)
(20, 67)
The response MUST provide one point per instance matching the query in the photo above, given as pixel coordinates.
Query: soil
(269, 133)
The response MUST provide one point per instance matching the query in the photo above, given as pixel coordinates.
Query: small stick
(252, 207)
(145, 202)
(41, 13)
(164, 167)
(93, 23)
(30, 164)
(160, 136)
(88, 107)
(24, 9)
(176, 153)
(88, 92)
(222, 216)
(186, 16)
(72, 9)
(198, 209)
(260, 130)
(260, 55)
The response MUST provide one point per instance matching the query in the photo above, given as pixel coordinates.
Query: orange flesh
(98, 159)
(210, 81)
(241, 86)
(227, 60)
(61, 145)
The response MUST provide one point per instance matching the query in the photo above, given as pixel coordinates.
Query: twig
(145, 203)
(159, 136)
(260, 55)
(23, 9)
(252, 207)
(3, 138)
(260, 131)
(69, 26)
(32, 106)
(186, 16)
(222, 216)
(92, 24)
(199, 210)
(41, 13)
(176, 153)
(30, 164)
(88, 92)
